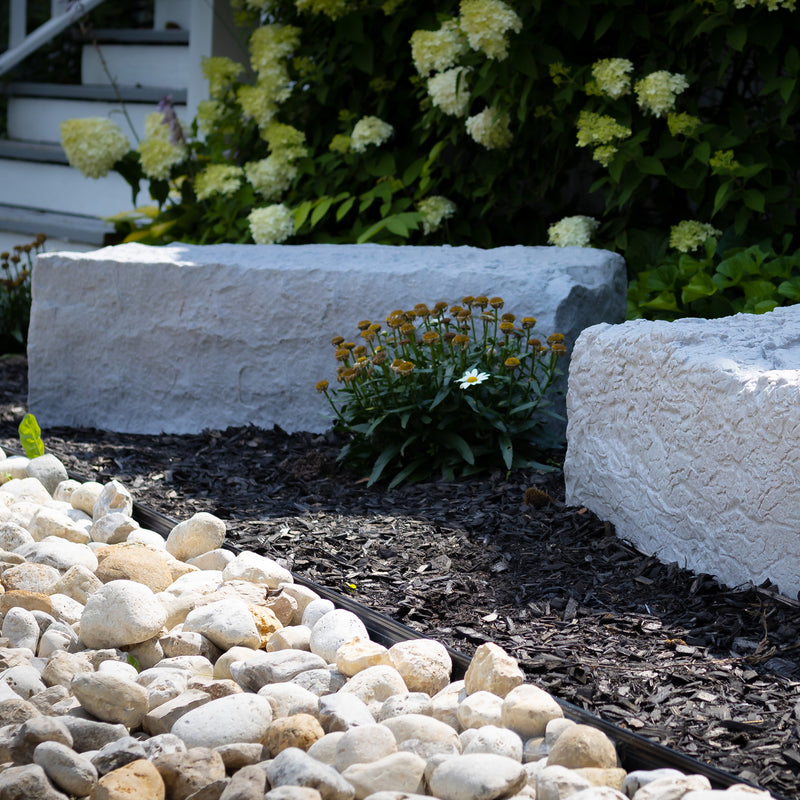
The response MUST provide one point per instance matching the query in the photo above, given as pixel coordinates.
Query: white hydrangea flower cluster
(157, 152)
(574, 231)
(690, 234)
(490, 128)
(270, 46)
(272, 176)
(656, 92)
(486, 24)
(221, 179)
(436, 51)
(369, 131)
(271, 225)
(612, 76)
(448, 91)
(93, 144)
(435, 210)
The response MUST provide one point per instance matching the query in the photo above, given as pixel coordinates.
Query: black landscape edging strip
(635, 751)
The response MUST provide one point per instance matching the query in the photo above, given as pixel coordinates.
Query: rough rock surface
(682, 434)
(227, 311)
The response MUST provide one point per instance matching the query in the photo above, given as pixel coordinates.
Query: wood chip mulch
(709, 671)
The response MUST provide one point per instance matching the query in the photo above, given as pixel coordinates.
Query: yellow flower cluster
(220, 72)
(612, 76)
(772, 5)
(259, 103)
(157, 153)
(572, 231)
(600, 132)
(558, 72)
(682, 124)
(287, 140)
(271, 225)
(340, 143)
(435, 210)
(330, 8)
(271, 45)
(367, 131)
(208, 113)
(723, 161)
(93, 144)
(594, 129)
(490, 128)
(448, 91)
(691, 234)
(435, 51)
(486, 23)
(221, 179)
(656, 92)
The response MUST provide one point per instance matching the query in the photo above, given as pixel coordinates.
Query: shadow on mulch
(708, 671)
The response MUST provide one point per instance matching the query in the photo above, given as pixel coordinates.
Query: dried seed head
(536, 497)
(322, 386)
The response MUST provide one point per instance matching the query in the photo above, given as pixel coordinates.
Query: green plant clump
(15, 294)
(448, 391)
(716, 284)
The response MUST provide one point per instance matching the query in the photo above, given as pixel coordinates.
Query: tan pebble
(32, 601)
(613, 777)
(298, 730)
(266, 622)
(583, 746)
(139, 779)
(355, 656)
(134, 563)
(493, 670)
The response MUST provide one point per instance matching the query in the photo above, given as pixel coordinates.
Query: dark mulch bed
(708, 671)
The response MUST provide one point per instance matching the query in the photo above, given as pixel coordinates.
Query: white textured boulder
(215, 310)
(683, 434)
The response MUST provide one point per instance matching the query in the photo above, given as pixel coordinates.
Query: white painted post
(17, 22)
(201, 44)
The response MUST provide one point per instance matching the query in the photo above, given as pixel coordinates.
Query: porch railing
(22, 44)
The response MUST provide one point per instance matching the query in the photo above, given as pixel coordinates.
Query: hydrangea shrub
(487, 123)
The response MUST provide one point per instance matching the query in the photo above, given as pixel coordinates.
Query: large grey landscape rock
(225, 314)
(683, 435)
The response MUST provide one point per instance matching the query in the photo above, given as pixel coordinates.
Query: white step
(137, 65)
(57, 187)
(38, 119)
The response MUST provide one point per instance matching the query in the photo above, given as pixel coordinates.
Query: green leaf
(737, 37)
(344, 208)
(650, 165)
(755, 200)
(301, 213)
(384, 166)
(699, 286)
(722, 195)
(30, 437)
(387, 454)
(506, 449)
(321, 210)
(406, 472)
(455, 442)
